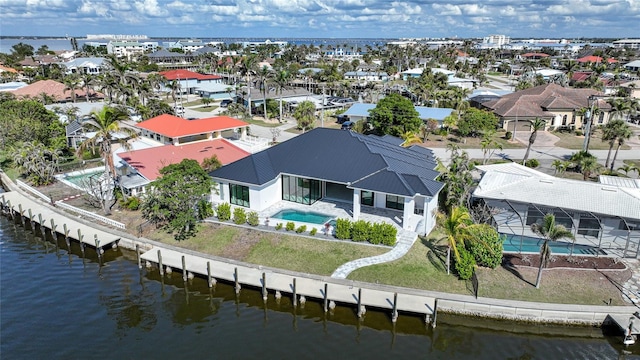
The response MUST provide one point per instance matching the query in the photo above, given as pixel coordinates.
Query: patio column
(218, 134)
(430, 204)
(409, 206)
(209, 136)
(356, 204)
(243, 133)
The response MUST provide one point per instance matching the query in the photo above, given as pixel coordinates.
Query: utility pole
(589, 114)
(322, 111)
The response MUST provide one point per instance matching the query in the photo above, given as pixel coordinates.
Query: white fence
(103, 219)
(33, 191)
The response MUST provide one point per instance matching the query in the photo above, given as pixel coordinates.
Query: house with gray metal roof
(367, 172)
(360, 111)
(604, 215)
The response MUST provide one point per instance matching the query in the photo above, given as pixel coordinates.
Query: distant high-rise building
(496, 40)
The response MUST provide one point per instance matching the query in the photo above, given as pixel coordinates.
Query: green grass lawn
(209, 108)
(470, 142)
(571, 141)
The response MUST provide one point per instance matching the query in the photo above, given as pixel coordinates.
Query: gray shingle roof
(360, 161)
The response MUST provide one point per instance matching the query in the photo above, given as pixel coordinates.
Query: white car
(179, 110)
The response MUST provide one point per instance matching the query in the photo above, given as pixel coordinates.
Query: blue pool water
(532, 245)
(302, 216)
(81, 179)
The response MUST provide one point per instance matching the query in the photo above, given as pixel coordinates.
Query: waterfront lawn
(271, 249)
(470, 142)
(562, 286)
(569, 140)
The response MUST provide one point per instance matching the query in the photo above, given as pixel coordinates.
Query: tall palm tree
(455, 227)
(72, 83)
(106, 129)
(629, 168)
(535, 125)
(586, 163)
(624, 134)
(88, 80)
(550, 232)
(264, 75)
(489, 145)
(619, 107)
(281, 81)
(610, 134)
(247, 69)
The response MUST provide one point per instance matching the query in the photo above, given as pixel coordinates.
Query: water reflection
(162, 316)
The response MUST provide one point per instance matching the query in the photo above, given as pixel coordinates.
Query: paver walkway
(406, 239)
(631, 288)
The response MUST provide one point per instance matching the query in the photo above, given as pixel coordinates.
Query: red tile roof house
(559, 106)
(54, 89)
(184, 139)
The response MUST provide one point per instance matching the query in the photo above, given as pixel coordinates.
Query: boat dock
(629, 324)
(37, 213)
(326, 289)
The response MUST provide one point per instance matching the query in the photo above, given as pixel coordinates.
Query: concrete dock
(48, 218)
(339, 291)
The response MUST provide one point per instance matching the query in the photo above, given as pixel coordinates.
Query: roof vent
(609, 189)
(546, 181)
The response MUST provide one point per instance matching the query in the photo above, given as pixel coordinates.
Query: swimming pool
(79, 179)
(532, 245)
(302, 216)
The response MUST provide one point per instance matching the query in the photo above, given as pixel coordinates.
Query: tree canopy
(475, 121)
(29, 120)
(394, 115)
(178, 199)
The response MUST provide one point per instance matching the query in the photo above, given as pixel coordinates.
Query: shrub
(290, 226)
(389, 233)
(532, 163)
(487, 247)
(343, 229)
(313, 232)
(301, 229)
(239, 216)
(224, 212)
(508, 135)
(377, 233)
(279, 226)
(579, 133)
(252, 218)
(465, 265)
(360, 230)
(132, 203)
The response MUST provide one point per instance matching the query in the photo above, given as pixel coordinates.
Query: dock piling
(160, 263)
(359, 302)
(184, 269)
(31, 222)
(209, 274)
(138, 256)
(264, 287)
(235, 276)
(42, 226)
(21, 214)
(326, 297)
(394, 313)
(295, 299)
(53, 229)
(80, 236)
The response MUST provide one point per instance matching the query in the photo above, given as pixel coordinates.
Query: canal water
(57, 304)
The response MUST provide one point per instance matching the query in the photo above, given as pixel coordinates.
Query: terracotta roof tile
(173, 126)
(54, 89)
(183, 74)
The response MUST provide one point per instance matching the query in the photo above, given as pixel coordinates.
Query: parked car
(341, 119)
(224, 103)
(179, 110)
(347, 125)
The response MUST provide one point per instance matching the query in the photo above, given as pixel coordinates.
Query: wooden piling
(160, 263)
(264, 286)
(98, 248)
(31, 222)
(295, 297)
(359, 302)
(209, 274)
(42, 226)
(138, 256)
(80, 236)
(53, 229)
(326, 297)
(435, 313)
(11, 212)
(21, 214)
(235, 276)
(394, 313)
(184, 269)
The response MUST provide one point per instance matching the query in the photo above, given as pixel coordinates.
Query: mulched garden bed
(562, 261)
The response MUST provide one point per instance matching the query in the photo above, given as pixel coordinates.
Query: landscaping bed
(562, 261)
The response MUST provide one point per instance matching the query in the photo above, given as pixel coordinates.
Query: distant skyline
(323, 18)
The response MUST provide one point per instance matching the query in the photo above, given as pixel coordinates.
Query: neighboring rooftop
(182, 74)
(175, 127)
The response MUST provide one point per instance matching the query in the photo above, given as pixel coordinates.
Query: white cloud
(150, 8)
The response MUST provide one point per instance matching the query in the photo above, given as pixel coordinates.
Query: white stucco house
(367, 173)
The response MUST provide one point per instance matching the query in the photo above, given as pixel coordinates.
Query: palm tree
(263, 75)
(610, 133)
(619, 107)
(550, 232)
(629, 168)
(489, 145)
(88, 81)
(105, 126)
(410, 138)
(536, 124)
(624, 134)
(305, 115)
(281, 81)
(455, 227)
(586, 163)
(247, 68)
(72, 83)
(559, 166)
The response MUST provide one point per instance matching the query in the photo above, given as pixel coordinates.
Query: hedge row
(361, 230)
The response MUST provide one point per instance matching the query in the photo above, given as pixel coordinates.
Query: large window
(300, 190)
(395, 202)
(366, 198)
(239, 195)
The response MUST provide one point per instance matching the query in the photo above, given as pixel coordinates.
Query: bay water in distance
(57, 304)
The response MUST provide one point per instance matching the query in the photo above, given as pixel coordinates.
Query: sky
(323, 18)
